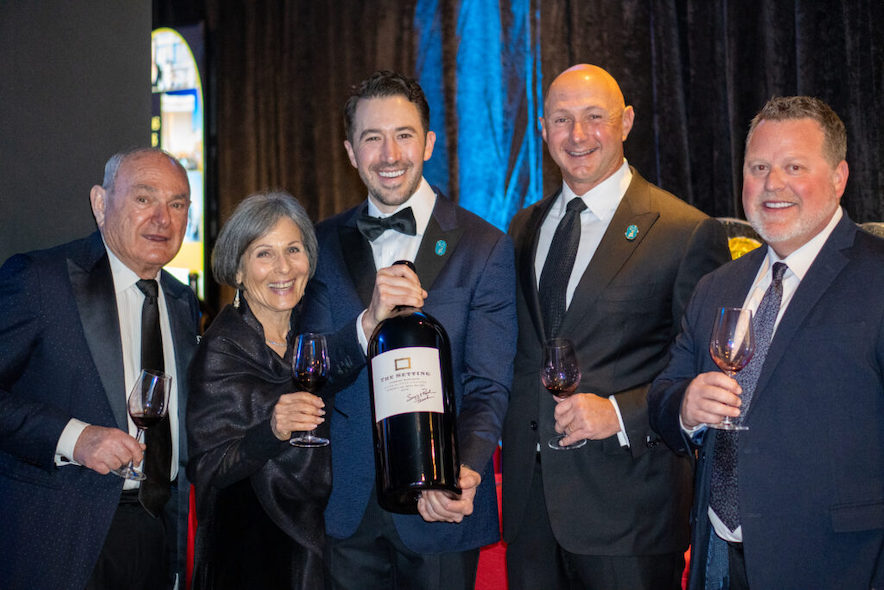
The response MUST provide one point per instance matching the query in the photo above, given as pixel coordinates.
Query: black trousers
(534, 559)
(736, 567)
(375, 558)
(135, 552)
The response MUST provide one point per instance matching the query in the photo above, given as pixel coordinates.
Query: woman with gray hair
(259, 500)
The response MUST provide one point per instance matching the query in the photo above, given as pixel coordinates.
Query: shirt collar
(800, 260)
(604, 198)
(124, 277)
(421, 202)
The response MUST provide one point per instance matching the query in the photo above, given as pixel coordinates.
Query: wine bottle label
(406, 380)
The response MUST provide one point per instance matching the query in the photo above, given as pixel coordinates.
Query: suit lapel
(357, 255)
(822, 273)
(93, 288)
(439, 242)
(527, 256)
(184, 341)
(613, 250)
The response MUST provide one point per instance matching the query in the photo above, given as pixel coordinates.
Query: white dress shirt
(798, 262)
(601, 203)
(392, 245)
(130, 300)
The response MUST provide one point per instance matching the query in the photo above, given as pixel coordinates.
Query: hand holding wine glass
(732, 345)
(148, 405)
(310, 367)
(560, 374)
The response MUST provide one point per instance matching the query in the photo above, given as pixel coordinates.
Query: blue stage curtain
(484, 91)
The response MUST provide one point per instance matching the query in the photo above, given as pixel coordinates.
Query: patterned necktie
(557, 267)
(154, 491)
(401, 221)
(724, 493)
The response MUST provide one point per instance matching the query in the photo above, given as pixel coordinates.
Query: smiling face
(585, 125)
(144, 215)
(274, 270)
(790, 189)
(388, 146)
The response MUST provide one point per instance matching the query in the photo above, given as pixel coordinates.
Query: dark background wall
(74, 89)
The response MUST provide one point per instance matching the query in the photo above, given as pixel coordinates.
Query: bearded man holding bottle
(465, 278)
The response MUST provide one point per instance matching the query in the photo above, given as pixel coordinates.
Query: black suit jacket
(811, 465)
(604, 499)
(61, 358)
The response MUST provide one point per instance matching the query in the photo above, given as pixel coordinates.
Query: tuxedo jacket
(606, 499)
(61, 358)
(811, 464)
(466, 266)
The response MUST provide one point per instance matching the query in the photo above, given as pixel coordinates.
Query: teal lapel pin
(631, 232)
(441, 247)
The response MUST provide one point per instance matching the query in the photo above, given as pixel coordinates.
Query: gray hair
(112, 167)
(254, 217)
(784, 108)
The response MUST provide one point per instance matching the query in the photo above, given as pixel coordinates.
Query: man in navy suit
(70, 350)
(797, 499)
(465, 279)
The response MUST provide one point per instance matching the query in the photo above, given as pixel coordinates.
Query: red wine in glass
(145, 422)
(731, 346)
(310, 369)
(148, 405)
(560, 375)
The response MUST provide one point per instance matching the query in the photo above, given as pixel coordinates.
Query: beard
(803, 226)
(393, 197)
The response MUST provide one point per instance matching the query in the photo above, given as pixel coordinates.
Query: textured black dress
(259, 500)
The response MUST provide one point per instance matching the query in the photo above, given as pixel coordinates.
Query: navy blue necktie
(154, 491)
(557, 267)
(724, 496)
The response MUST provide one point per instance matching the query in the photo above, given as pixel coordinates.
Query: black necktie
(401, 221)
(557, 267)
(154, 492)
(724, 496)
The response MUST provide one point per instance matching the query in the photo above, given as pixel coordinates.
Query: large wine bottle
(413, 409)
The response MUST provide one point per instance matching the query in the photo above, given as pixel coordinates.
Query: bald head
(587, 74)
(585, 124)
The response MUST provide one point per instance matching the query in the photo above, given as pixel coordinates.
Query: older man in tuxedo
(608, 263)
(79, 322)
(797, 499)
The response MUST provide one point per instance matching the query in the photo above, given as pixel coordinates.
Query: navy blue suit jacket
(471, 286)
(61, 358)
(811, 465)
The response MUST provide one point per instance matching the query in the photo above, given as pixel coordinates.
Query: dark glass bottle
(413, 409)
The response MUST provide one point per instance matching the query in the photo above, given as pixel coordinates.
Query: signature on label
(420, 396)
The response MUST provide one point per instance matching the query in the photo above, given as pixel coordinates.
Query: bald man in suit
(612, 513)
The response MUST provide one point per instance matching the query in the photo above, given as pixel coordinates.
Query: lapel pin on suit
(441, 247)
(631, 232)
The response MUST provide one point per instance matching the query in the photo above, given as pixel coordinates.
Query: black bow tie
(401, 221)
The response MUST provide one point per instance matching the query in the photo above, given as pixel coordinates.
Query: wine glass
(148, 405)
(310, 368)
(560, 374)
(732, 346)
